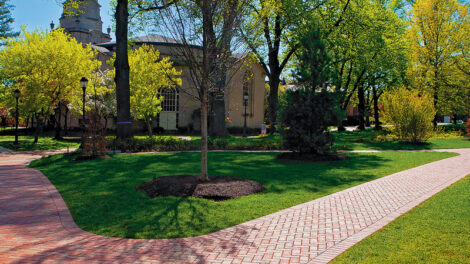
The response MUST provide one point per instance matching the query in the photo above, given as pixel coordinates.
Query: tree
(411, 114)
(369, 54)
(6, 20)
(311, 108)
(270, 33)
(46, 67)
(121, 65)
(204, 32)
(439, 36)
(148, 75)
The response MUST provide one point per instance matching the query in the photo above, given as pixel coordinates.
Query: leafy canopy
(46, 67)
(148, 75)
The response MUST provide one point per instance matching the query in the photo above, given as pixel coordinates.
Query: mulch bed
(217, 188)
(311, 157)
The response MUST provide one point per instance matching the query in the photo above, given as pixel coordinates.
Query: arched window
(170, 100)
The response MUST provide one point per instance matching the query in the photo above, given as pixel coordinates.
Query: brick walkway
(36, 226)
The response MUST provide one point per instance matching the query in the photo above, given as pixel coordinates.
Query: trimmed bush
(411, 113)
(306, 119)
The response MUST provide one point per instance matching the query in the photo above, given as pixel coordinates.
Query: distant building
(180, 106)
(85, 24)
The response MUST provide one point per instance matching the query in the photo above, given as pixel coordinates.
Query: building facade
(181, 106)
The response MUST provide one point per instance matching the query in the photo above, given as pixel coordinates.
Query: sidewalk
(36, 226)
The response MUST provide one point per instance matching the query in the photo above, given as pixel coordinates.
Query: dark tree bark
(39, 126)
(367, 112)
(58, 121)
(121, 65)
(66, 126)
(149, 128)
(375, 98)
(361, 106)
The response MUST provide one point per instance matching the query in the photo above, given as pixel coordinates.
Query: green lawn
(103, 199)
(365, 140)
(357, 140)
(45, 143)
(437, 231)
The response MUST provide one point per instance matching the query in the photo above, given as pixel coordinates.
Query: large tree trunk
(121, 65)
(66, 126)
(58, 117)
(39, 127)
(375, 98)
(435, 96)
(368, 110)
(274, 81)
(361, 106)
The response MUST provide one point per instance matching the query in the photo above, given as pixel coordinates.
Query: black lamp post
(245, 103)
(83, 83)
(16, 94)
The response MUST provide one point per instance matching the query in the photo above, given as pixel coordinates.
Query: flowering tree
(148, 74)
(46, 67)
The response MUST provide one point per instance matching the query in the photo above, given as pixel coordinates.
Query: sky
(38, 14)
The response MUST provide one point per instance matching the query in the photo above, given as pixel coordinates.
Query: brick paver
(36, 226)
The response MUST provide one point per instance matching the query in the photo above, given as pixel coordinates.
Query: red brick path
(36, 226)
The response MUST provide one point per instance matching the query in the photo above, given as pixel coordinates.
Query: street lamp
(16, 94)
(83, 83)
(245, 103)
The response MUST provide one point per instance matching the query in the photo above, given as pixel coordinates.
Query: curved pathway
(36, 226)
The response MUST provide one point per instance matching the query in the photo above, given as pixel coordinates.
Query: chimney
(52, 25)
(109, 30)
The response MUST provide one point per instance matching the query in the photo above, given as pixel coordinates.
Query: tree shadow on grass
(365, 140)
(103, 197)
(31, 218)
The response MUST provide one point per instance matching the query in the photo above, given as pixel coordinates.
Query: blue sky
(38, 14)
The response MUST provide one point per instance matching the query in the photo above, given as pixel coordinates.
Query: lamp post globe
(16, 94)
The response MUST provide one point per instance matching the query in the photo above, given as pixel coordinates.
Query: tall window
(248, 88)
(170, 101)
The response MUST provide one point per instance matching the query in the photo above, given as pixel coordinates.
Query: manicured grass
(437, 231)
(353, 140)
(357, 140)
(103, 199)
(45, 143)
(364, 140)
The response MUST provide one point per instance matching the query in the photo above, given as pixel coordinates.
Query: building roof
(99, 49)
(155, 39)
(151, 39)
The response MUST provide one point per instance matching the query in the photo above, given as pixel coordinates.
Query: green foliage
(440, 36)
(148, 75)
(6, 20)
(410, 114)
(434, 232)
(306, 119)
(102, 197)
(46, 67)
(308, 113)
(154, 143)
(314, 61)
(26, 143)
